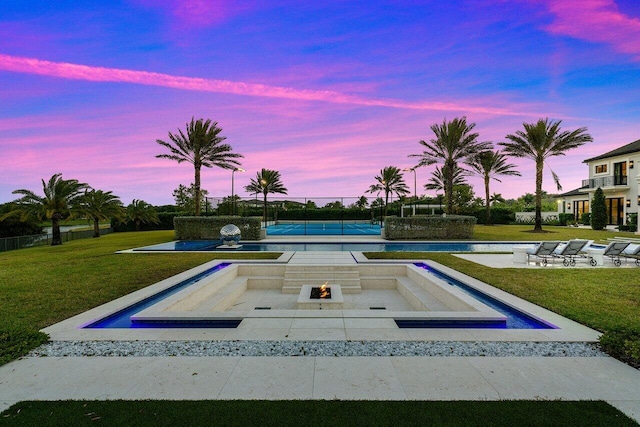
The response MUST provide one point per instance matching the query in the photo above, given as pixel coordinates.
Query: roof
(576, 192)
(625, 149)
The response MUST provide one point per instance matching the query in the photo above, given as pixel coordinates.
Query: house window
(580, 207)
(620, 173)
(601, 168)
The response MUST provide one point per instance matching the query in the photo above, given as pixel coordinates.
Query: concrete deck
(312, 377)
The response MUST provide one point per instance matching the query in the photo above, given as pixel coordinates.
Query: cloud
(598, 21)
(192, 14)
(102, 74)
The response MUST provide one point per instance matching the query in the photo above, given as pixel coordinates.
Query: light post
(233, 196)
(415, 187)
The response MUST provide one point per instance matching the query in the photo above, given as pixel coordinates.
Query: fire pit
(321, 292)
(328, 297)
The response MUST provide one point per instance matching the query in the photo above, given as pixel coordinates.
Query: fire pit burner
(321, 292)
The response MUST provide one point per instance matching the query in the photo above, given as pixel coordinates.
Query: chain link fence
(19, 242)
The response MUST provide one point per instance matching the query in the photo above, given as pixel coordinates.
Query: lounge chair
(571, 250)
(613, 251)
(543, 251)
(632, 251)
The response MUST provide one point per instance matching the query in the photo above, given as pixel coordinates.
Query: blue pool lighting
(121, 318)
(516, 319)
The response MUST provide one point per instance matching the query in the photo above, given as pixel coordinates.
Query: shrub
(499, 215)
(422, 227)
(16, 342)
(565, 218)
(622, 344)
(585, 219)
(598, 210)
(208, 228)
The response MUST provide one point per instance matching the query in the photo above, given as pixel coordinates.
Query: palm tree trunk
(538, 223)
(487, 220)
(56, 238)
(197, 186)
(447, 172)
(386, 204)
(96, 228)
(264, 210)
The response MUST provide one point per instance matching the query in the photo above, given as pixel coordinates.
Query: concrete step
(347, 276)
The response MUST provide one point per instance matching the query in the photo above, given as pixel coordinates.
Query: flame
(323, 290)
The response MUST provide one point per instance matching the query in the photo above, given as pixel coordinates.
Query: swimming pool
(125, 317)
(214, 245)
(516, 319)
(122, 318)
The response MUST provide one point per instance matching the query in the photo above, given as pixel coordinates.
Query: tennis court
(309, 228)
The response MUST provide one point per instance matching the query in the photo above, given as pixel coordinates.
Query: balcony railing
(604, 181)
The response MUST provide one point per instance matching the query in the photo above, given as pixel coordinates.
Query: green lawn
(43, 285)
(314, 413)
(524, 233)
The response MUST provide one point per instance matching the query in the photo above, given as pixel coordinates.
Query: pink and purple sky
(328, 93)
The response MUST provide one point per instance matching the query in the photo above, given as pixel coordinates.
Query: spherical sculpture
(230, 234)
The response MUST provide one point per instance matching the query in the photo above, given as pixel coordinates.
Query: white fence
(530, 217)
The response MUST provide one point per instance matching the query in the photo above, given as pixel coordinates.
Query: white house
(617, 172)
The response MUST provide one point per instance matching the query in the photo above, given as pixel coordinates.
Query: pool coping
(568, 330)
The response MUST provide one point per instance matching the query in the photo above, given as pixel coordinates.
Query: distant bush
(585, 219)
(423, 227)
(208, 228)
(499, 215)
(15, 226)
(166, 223)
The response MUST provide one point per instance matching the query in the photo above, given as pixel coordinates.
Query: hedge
(423, 227)
(208, 227)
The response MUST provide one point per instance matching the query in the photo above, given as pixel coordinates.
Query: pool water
(213, 245)
(516, 319)
(122, 318)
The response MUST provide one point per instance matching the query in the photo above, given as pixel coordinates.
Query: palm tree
(60, 201)
(488, 164)
(436, 182)
(362, 203)
(496, 198)
(454, 143)
(390, 180)
(141, 212)
(201, 146)
(539, 141)
(98, 205)
(266, 181)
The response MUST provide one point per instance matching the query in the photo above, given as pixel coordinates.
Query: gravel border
(315, 348)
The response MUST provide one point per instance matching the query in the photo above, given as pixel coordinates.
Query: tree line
(454, 146)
